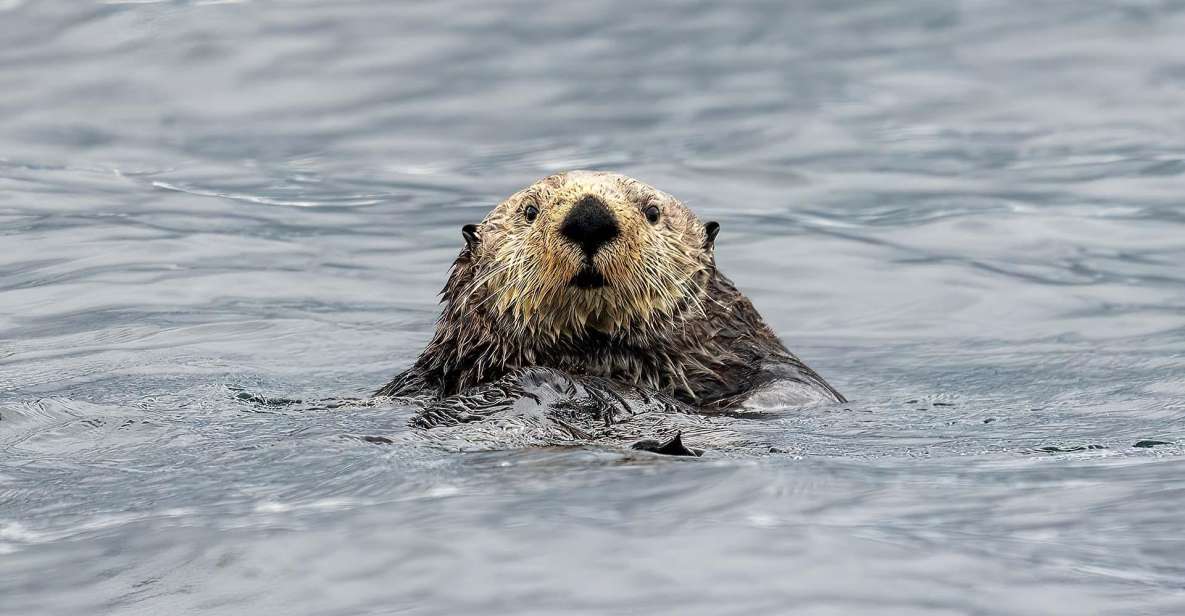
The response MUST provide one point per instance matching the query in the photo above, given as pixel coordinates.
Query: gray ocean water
(969, 216)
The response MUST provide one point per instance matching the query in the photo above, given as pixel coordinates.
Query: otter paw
(672, 447)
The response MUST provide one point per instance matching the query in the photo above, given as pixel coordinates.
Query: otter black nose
(589, 224)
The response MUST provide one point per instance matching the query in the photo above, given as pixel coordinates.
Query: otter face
(583, 250)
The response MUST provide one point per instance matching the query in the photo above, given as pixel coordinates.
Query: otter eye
(653, 214)
(531, 213)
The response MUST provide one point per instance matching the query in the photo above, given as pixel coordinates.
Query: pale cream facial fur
(652, 271)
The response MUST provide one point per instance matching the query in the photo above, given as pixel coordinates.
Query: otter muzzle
(590, 225)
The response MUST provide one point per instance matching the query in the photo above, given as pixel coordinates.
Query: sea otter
(603, 278)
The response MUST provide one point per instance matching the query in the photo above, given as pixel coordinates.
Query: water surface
(967, 216)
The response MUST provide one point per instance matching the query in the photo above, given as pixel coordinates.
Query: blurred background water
(967, 215)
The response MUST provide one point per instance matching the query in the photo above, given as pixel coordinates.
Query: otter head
(585, 251)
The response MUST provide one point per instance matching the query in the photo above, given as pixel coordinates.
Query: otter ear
(711, 229)
(469, 232)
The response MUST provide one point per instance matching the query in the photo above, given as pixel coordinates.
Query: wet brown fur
(667, 319)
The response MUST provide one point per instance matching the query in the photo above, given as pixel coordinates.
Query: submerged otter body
(598, 275)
